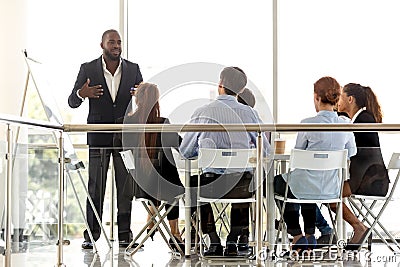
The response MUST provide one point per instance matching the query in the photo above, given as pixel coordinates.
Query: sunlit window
(165, 34)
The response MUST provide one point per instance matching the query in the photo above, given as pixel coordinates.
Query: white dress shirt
(112, 81)
(358, 113)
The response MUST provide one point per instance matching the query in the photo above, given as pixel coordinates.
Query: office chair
(318, 161)
(239, 159)
(156, 217)
(366, 206)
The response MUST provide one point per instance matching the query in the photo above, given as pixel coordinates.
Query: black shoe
(231, 249)
(214, 250)
(135, 245)
(357, 245)
(243, 243)
(323, 241)
(152, 234)
(180, 244)
(125, 244)
(125, 239)
(87, 245)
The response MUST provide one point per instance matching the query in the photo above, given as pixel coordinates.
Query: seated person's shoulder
(309, 120)
(201, 111)
(127, 119)
(164, 120)
(344, 119)
(366, 117)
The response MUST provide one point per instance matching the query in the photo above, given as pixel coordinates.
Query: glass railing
(34, 211)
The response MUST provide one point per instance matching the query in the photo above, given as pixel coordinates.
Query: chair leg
(375, 222)
(222, 216)
(199, 230)
(333, 221)
(280, 226)
(157, 222)
(161, 220)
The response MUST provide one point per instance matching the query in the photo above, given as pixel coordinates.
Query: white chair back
(318, 160)
(180, 161)
(237, 160)
(394, 162)
(227, 158)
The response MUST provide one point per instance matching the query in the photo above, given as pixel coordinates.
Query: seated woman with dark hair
(155, 176)
(306, 183)
(368, 173)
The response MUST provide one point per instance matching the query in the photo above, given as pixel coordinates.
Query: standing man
(225, 110)
(106, 82)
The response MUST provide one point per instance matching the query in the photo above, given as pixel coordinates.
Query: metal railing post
(112, 198)
(7, 234)
(259, 201)
(188, 205)
(60, 228)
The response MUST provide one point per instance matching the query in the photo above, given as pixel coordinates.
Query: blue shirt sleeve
(301, 141)
(189, 147)
(351, 146)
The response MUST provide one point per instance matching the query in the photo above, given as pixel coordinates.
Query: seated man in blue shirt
(224, 110)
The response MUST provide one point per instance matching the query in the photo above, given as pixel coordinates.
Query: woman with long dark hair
(368, 174)
(156, 177)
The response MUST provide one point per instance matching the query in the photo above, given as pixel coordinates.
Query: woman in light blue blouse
(311, 184)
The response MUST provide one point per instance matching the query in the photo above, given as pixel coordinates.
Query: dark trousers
(291, 214)
(226, 186)
(99, 160)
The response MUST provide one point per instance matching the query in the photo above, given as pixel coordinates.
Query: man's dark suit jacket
(103, 109)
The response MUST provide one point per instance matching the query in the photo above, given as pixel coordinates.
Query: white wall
(13, 72)
(12, 66)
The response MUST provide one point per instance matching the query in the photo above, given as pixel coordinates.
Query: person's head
(111, 45)
(326, 93)
(148, 107)
(232, 81)
(355, 96)
(246, 97)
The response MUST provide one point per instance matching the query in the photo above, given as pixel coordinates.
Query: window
(166, 34)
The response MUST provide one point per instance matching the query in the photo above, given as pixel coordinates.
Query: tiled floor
(156, 253)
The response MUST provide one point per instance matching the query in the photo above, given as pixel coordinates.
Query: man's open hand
(90, 91)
